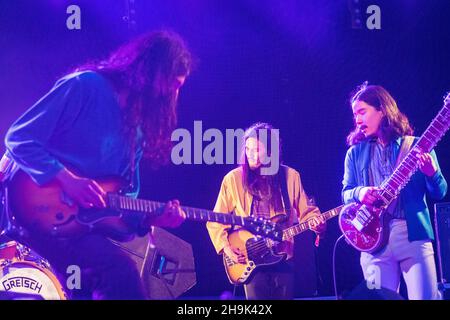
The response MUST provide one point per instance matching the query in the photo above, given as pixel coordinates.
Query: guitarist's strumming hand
(234, 254)
(83, 191)
(172, 217)
(368, 196)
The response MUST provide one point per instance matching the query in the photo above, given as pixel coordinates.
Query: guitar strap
(404, 149)
(284, 193)
(406, 145)
(7, 168)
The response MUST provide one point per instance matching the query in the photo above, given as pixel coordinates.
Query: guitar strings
(254, 248)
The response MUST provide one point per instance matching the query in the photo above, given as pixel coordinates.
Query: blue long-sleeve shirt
(381, 168)
(412, 198)
(78, 124)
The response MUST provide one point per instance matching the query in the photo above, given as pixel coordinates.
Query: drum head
(25, 280)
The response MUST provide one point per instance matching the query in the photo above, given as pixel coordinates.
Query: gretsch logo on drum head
(28, 278)
(22, 282)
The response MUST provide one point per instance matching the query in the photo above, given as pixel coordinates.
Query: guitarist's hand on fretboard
(427, 164)
(318, 225)
(172, 216)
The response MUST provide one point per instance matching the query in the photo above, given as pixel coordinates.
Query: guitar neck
(154, 208)
(309, 224)
(391, 188)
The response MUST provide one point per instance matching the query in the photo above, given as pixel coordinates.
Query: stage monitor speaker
(166, 264)
(362, 292)
(442, 226)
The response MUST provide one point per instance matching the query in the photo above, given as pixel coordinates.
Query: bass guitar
(259, 251)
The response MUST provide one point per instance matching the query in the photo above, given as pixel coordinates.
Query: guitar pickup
(357, 224)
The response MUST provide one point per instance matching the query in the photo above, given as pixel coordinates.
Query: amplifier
(442, 226)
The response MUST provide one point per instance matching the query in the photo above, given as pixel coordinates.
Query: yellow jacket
(232, 197)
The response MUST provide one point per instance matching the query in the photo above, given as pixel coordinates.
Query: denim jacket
(412, 197)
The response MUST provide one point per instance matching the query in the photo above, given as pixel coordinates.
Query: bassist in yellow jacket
(246, 191)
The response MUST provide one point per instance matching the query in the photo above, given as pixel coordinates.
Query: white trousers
(414, 260)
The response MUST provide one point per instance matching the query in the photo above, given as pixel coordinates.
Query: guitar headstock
(447, 100)
(447, 97)
(263, 227)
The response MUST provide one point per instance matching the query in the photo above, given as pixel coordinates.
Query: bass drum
(26, 276)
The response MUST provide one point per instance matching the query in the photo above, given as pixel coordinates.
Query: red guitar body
(373, 236)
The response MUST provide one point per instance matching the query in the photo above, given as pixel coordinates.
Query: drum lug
(5, 263)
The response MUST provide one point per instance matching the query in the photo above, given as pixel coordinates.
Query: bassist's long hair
(262, 186)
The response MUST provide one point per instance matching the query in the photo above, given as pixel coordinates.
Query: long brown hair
(136, 70)
(394, 123)
(263, 186)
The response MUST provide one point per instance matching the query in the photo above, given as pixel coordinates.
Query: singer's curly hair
(137, 69)
(394, 123)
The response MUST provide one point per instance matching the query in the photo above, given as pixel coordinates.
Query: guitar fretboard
(408, 166)
(156, 208)
(259, 226)
(309, 224)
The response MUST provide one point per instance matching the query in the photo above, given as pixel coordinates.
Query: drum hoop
(8, 244)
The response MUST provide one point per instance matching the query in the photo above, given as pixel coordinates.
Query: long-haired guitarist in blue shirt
(100, 121)
(381, 133)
